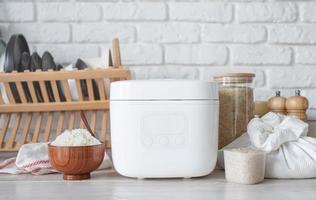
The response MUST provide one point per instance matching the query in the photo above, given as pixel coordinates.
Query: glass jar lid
(234, 78)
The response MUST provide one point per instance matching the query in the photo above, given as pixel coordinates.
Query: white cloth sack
(290, 153)
(33, 158)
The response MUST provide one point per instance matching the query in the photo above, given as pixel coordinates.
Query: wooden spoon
(85, 121)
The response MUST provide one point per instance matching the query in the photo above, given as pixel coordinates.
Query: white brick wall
(236, 33)
(201, 12)
(260, 55)
(68, 12)
(197, 53)
(266, 12)
(275, 39)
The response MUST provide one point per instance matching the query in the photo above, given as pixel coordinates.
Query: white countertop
(108, 185)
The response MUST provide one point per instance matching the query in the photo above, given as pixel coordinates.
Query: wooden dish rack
(31, 122)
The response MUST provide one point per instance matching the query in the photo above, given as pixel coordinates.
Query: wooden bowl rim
(75, 147)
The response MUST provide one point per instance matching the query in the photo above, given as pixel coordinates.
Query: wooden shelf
(37, 112)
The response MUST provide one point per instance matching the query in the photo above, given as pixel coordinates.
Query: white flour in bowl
(76, 137)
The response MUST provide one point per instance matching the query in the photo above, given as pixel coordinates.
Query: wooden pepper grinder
(277, 103)
(297, 106)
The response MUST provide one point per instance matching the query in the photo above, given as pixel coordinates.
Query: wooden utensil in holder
(48, 119)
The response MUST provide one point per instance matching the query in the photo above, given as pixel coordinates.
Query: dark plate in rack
(80, 64)
(13, 54)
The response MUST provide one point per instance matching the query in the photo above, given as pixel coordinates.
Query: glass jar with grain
(236, 105)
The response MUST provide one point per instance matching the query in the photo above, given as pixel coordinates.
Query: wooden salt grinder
(297, 106)
(276, 104)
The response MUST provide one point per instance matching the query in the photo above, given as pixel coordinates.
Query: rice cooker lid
(164, 90)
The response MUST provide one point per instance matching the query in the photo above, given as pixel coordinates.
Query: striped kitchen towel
(33, 158)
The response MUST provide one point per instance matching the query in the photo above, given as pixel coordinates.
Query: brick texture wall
(180, 39)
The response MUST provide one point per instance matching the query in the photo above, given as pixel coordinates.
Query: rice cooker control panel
(164, 130)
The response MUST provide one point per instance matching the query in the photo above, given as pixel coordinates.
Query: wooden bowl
(76, 162)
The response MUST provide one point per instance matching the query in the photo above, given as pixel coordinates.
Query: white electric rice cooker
(164, 128)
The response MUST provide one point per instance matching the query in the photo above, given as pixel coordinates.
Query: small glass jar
(236, 105)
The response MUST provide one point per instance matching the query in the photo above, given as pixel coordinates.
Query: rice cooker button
(180, 140)
(147, 141)
(164, 140)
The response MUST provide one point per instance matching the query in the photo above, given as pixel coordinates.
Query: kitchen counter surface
(107, 184)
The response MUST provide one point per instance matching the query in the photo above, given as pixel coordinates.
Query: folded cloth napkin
(33, 158)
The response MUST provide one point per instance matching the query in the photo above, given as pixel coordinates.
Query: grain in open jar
(236, 105)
